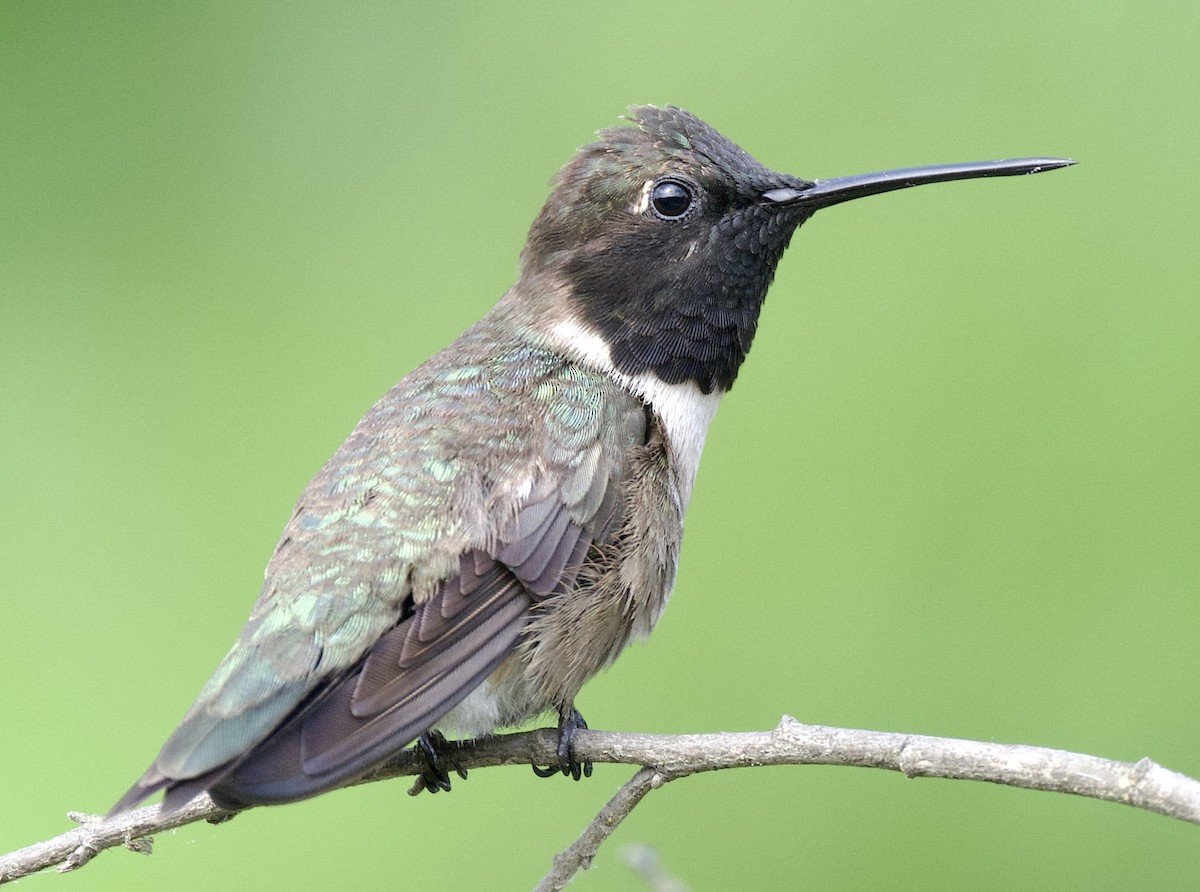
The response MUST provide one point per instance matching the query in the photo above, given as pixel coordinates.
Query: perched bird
(508, 517)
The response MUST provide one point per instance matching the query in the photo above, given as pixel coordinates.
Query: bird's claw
(432, 746)
(567, 765)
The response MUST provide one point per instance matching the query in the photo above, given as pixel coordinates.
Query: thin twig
(581, 852)
(644, 861)
(1143, 784)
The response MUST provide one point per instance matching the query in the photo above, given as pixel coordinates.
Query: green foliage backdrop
(954, 492)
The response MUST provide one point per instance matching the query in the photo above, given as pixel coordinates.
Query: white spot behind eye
(643, 200)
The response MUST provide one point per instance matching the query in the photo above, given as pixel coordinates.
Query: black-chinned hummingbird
(508, 517)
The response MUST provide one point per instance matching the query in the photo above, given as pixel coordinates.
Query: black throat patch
(684, 306)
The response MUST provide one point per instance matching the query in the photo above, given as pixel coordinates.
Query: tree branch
(1144, 784)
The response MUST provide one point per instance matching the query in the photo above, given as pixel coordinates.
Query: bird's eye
(672, 199)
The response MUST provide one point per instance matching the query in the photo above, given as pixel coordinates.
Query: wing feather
(415, 673)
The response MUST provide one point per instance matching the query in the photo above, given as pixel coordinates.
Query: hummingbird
(508, 517)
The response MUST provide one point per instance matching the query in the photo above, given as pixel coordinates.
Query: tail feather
(353, 721)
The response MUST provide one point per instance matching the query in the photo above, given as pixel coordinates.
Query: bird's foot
(433, 747)
(570, 722)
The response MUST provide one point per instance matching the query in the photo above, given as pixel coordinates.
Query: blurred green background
(954, 492)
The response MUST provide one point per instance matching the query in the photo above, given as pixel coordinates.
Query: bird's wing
(418, 670)
(406, 576)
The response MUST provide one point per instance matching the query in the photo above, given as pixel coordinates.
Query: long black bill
(823, 193)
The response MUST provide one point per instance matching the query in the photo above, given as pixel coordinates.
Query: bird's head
(664, 235)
